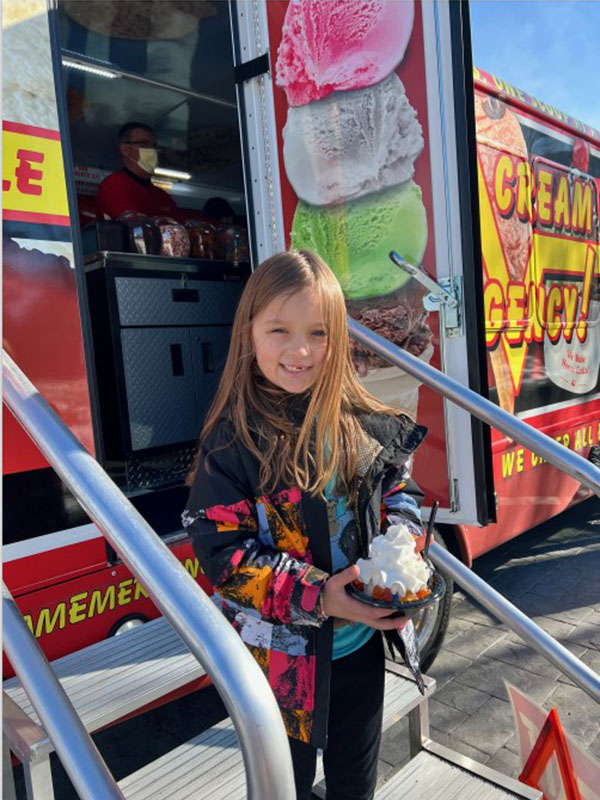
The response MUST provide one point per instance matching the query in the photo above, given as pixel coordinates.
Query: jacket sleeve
(401, 500)
(222, 520)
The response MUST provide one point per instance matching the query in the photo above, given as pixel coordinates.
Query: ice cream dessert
(394, 571)
(400, 318)
(351, 143)
(28, 93)
(328, 45)
(574, 364)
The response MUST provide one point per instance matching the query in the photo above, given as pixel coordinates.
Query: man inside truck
(131, 188)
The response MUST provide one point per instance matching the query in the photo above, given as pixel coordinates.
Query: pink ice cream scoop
(336, 45)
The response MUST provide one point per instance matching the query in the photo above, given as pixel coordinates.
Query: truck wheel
(127, 623)
(431, 623)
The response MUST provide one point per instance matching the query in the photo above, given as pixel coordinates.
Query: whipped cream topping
(394, 564)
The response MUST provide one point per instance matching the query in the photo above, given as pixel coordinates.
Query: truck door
(358, 123)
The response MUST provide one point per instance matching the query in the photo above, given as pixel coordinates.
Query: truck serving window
(156, 306)
(156, 152)
(168, 68)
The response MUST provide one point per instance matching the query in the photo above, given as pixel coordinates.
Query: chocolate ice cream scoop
(399, 317)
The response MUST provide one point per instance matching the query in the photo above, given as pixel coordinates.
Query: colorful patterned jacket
(268, 557)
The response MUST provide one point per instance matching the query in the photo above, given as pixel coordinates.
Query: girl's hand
(338, 603)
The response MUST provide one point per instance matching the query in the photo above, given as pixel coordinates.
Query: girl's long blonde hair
(326, 443)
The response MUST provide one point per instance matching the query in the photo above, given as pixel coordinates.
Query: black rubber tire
(436, 621)
(116, 628)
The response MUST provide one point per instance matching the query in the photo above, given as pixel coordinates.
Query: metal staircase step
(115, 677)
(211, 765)
(438, 773)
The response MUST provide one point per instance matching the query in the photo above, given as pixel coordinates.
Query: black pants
(355, 714)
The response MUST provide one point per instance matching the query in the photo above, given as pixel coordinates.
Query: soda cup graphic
(575, 365)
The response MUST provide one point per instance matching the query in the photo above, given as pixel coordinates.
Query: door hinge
(445, 295)
(454, 495)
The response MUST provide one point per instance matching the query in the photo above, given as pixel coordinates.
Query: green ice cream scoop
(355, 238)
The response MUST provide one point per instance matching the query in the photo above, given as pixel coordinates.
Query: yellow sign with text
(33, 180)
(541, 268)
(578, 439)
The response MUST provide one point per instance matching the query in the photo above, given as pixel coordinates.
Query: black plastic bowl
(436, 583)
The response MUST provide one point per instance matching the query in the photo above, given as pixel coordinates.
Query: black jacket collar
(398, 435)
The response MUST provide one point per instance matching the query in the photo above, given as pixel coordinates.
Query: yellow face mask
(147, 159)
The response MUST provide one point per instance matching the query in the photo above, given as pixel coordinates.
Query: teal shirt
(343, 539)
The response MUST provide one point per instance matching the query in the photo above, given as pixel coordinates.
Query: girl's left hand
(338, 603)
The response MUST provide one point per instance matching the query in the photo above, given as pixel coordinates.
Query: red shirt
(124, 191)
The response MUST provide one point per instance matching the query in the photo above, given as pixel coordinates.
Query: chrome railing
(571, 463)
(83, 763)
(236, 675)
(520, 623)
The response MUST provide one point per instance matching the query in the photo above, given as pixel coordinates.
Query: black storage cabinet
(161, 329)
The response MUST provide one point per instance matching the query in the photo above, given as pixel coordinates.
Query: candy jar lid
(175, 238)
(143, 232)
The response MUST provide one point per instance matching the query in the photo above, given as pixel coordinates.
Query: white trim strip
(51, 541)
(448, 250)
(536, 412)
(261, 173)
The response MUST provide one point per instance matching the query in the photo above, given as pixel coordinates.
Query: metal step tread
(116, 676)
(211, 765)
(429, 776)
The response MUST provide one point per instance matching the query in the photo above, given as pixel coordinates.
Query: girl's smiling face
(290, 340)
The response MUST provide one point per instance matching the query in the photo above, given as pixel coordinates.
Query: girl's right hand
(338, 603)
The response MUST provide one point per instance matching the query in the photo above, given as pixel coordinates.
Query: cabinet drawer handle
(207, 357)
(185, 295)
(176, 359)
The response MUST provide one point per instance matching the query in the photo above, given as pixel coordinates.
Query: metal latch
(444, 295)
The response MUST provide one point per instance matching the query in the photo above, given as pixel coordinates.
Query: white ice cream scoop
(394, 564)
(351, 143)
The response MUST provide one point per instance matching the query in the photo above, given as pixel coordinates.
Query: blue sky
(548, 48)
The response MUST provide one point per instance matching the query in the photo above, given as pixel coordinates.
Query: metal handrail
(520, 623)
(84, 765)
(564, 459)
(236, 675)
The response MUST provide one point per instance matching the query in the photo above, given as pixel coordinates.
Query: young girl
(298, 468)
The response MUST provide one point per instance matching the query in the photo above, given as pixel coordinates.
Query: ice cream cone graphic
(502, 376)
(499, 135)
(350, 143)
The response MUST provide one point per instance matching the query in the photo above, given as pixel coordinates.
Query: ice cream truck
(353, 129)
